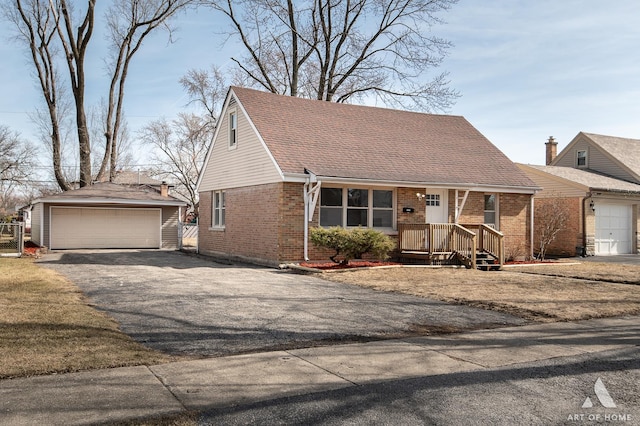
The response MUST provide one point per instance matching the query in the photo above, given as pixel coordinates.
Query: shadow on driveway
(182, 304)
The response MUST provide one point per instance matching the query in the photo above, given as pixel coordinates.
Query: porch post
(310, 197)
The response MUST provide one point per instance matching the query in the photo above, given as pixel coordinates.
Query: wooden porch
(476, 246)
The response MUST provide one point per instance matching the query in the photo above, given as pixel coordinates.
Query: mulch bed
(30, 248)
(328, 266)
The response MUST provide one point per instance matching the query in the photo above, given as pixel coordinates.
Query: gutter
(303, 178)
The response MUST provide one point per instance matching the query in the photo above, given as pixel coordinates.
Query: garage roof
(109, 193)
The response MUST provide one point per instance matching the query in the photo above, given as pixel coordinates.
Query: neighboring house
(279, 165)
(106, 215)
(24, 215)
(598, 178)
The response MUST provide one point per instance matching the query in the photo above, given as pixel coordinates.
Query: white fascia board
(213, 140)
(301, 178)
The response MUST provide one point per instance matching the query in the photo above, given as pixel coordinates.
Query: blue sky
(526, 70)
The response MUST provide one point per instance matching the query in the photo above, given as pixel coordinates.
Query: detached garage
(107, 216)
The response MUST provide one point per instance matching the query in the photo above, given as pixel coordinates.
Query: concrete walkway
(128, 393)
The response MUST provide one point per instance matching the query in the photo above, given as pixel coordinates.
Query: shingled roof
(594, 181)
(360, 142)
(105, 192)
(625, 150)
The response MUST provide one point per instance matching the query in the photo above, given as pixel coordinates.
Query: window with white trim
(581, 159)
(490, 210)
(352, 207)
(233, 130)
(218, 209)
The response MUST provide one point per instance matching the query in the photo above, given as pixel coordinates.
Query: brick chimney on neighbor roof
(552, 149)
(164, 189)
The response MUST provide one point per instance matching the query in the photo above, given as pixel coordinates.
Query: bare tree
(16, 165)
(129, 23)
(206, 88)
(343, 50)
(180, 149)
(551, 216)
(54, 32)
(36, 26)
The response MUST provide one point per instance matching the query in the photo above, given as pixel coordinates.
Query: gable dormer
(616, 157)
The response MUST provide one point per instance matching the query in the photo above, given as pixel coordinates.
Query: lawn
(539, 293)
(46, 326)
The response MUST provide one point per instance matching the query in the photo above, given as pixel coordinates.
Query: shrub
(352, 244)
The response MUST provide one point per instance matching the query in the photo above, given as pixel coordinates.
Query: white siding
(36, 229)
(246, 165)
(552, 186)
(597, 159)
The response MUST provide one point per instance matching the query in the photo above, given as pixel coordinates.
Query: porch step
(486, 262)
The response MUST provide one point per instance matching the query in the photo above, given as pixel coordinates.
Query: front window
(371, 208)
(582, 159)
(218, 214)
(490, 209)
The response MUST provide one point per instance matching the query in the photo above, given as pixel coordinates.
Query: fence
(11, 239)
(188, 236)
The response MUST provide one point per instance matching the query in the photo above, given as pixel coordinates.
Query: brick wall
(515, 224)
(251, 228)
(571, 236)
(406, 197)
(514, 219)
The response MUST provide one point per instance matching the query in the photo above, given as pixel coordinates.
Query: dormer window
(581, 159)
(233, 130)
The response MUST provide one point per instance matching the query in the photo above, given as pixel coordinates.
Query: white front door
(437, 203)
(613, 229)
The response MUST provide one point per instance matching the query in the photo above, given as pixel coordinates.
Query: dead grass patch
(530, 295)
(594, 271)
(47, 327)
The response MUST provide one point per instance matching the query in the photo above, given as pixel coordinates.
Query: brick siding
(570, 240)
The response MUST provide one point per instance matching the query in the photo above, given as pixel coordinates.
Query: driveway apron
(186, 305)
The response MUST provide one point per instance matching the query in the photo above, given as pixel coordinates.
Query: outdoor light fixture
(592, 205)
(421, 196)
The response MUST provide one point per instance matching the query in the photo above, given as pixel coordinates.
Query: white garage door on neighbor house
(95, 227)
(613, 229)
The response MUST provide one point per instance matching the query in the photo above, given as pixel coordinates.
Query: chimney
(164, 189)
(552, 150)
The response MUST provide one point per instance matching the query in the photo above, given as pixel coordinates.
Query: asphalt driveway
(182, 304)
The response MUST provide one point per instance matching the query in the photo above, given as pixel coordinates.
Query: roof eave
(302, 178)
(167, 203)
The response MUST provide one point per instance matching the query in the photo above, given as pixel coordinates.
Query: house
(597, 178)
(279, 165)
(106, 215)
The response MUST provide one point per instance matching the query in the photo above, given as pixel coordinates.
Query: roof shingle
(360, 142)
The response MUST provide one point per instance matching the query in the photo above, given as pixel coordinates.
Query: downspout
(310, 198)
(306, 220)
(532, 227)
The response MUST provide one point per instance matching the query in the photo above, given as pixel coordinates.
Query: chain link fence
(11, 239)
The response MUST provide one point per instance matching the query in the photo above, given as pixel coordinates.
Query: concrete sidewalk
(134, 392)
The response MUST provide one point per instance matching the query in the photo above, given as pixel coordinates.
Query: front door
(436, 205)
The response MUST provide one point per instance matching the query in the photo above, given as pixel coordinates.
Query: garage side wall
(36, 227)
(170, 222)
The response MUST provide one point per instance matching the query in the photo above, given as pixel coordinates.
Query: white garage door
(73, 228)
(613, 229)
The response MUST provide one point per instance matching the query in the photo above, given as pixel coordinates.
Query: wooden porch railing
(463, 241)
(489, 241)
(438, 238)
